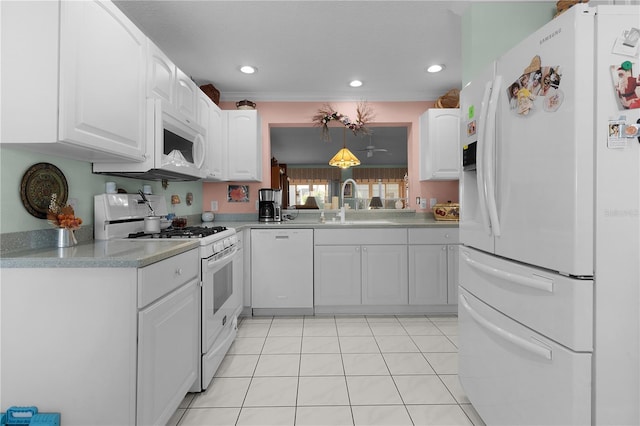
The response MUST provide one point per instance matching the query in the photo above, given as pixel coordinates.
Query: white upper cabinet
(73, 80)
(440, 144)
(161, 75)
(186, 95)
(242, 136)
(210, 117)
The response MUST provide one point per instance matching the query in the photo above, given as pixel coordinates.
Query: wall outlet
(433, 202)
(214, 206)
(257, 204)
(423, 203)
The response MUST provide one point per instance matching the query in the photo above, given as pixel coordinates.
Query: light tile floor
(342, 370)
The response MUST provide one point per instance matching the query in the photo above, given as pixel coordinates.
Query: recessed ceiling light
(248, 69)
(355, 83)
(435, 68)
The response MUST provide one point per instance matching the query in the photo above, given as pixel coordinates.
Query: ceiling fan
(370, 149)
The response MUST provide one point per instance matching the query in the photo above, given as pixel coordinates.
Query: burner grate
(187, 232)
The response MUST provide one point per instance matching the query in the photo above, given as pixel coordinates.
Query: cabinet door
(337, 275)
(161, 75)
(452, 273)
(244, 145)
(216, 151)
(428, 274)
(384, 275)
(439, 144)
(186, 95)
(167, 354)
(102, 79)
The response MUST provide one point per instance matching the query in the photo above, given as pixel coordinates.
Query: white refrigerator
(550, 225)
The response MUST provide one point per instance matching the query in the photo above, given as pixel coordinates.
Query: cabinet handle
(364, 249)
(178, 271)
(446, 236)
(357, 248)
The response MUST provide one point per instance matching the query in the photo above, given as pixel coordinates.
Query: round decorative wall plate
(39, 182)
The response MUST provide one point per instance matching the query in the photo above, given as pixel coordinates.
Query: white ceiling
(308, 50)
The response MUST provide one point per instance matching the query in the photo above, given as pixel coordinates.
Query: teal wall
(490, 29)
(83, 185)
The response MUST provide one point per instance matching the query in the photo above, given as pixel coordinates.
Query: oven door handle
(215, 263)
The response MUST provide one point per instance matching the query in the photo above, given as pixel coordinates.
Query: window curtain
(373, 174)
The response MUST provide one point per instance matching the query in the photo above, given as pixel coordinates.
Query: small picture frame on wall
(238, 193)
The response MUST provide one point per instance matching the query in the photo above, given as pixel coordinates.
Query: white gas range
(121, 216)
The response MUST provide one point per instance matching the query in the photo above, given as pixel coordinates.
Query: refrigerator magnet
(627, 42)
(615, 138)
(471, 128)
(626, 85)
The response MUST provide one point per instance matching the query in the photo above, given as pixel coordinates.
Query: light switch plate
(214, 206)
(423, 203)
(433, 202)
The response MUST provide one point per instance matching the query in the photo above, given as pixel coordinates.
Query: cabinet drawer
(158, 279)
(433, 236)
(369, 236)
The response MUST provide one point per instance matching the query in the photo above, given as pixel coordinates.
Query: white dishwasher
(282, 271)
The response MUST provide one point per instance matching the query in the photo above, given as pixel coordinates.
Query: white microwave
(175, 148)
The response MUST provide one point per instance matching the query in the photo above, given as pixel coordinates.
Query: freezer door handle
(518, 341)
(537, 282)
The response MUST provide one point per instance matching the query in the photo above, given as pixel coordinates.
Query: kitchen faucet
(355, 191)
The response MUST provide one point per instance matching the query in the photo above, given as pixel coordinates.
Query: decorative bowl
(446, 211)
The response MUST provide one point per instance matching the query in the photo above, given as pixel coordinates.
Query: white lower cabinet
(102, 346)
(337, 275)
(433, 266)
(428, 274)
(167, 342)
(384, 275)
(371, 273)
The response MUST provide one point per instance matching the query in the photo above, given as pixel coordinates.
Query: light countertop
(120, 253)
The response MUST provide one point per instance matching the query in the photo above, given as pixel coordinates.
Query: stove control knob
(227, 242)
(218, 246)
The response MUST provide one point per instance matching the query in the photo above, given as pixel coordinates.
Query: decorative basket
(451, 99)
(211, 91)
(564, 5)
(446, 211)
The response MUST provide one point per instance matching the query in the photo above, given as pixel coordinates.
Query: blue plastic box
(19, 416)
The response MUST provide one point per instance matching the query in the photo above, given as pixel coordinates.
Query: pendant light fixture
(344, 158)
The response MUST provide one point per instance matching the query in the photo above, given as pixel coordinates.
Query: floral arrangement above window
(327, 114)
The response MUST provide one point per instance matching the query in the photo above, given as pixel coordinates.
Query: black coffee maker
(266, 205)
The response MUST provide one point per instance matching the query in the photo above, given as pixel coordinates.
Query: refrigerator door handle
(538, 283)
(489, 155)
(482, 190)
(518, 341)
